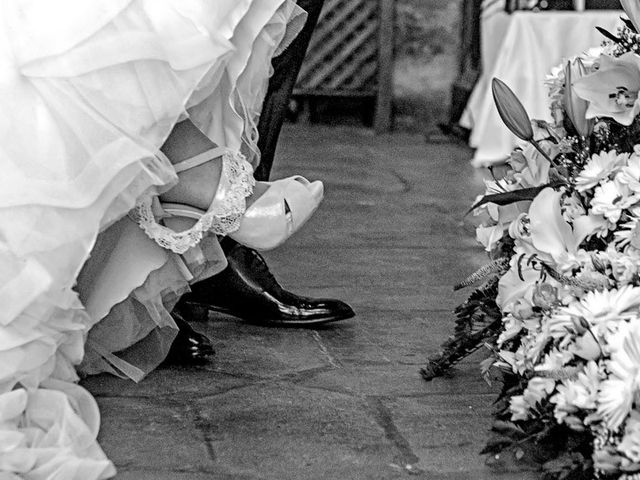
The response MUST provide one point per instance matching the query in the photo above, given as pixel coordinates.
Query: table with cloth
(521, 49)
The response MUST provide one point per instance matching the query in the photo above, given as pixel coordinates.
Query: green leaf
(508, 428)
(609, 35)
(507, 198)
(496, 444)
(629, 24)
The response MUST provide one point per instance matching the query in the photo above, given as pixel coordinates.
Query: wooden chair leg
(286, 68)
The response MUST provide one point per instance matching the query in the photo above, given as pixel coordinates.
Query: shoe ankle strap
(199, 159)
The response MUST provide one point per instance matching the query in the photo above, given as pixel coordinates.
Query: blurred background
(407, 65)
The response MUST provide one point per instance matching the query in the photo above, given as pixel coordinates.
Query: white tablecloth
(521, 49)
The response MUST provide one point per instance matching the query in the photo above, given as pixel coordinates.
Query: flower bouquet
(559, 305)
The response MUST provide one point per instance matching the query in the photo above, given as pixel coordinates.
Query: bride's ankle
(196, 186)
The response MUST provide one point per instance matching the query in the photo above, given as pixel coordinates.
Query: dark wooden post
(469, 62)
(384, 99)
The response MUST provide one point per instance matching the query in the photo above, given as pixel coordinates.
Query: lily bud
(511, 111)
(574, 106)
(632, 9)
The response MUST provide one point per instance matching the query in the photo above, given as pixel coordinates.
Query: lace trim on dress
(222, 218)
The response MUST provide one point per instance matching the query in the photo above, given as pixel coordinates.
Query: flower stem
(542, 152)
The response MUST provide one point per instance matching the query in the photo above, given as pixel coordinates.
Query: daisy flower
(630, 444)
(554, 364)
(577, 394)
(598, 168)
(628, 232)
(630, 174)
(617, 392)
(611, 198)
(604, 309)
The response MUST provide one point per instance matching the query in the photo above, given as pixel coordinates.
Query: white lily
(612, 91)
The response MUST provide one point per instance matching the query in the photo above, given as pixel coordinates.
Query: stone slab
(281, 431)
(159, 434)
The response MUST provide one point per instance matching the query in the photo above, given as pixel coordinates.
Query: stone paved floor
(346, 401)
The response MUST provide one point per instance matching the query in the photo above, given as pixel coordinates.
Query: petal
(599, 85)
(632, 9)
(550, 233)
(587, 225)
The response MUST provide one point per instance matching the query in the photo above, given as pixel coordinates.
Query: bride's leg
(197, 186)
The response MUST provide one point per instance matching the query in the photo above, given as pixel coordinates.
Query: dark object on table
(513, 5)
(603, 5)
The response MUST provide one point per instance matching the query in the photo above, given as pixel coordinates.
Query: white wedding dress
(89, 91)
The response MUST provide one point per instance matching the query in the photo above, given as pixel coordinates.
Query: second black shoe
(248, 290)
(189, 347)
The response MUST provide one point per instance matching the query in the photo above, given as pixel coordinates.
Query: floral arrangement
(559, 304)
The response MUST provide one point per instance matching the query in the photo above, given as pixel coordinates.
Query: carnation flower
(599, 168)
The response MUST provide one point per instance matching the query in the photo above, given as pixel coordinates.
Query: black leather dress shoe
(248, 290)
(189, 346)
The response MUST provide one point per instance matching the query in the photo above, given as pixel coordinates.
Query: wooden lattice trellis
(351, 54)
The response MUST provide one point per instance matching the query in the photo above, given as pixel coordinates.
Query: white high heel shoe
(278, 213)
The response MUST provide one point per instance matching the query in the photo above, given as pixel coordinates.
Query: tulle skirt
(89, 91)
